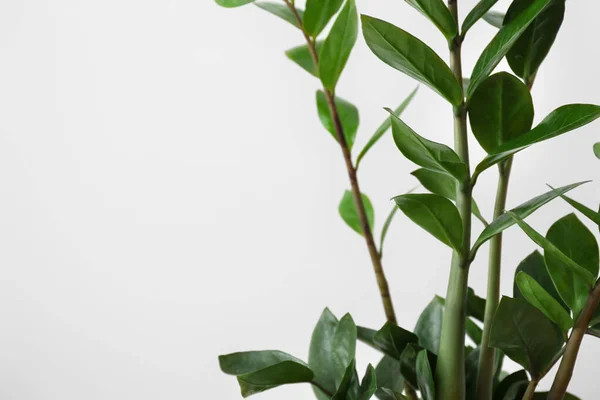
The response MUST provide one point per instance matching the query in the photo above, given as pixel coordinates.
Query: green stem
(486, 357)
(530, 392)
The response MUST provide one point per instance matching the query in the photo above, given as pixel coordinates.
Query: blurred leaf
(436, 214)
(535, 266)
(597, 150)
(525, 335)
(392, 339)
(512, 387)
(429, 325)
(438, 13)
(476, 13)
(367, 336)
(473, 331)
(368, 385)
(544, 396)
(318, 13)
(408, 364)
(389, 376)
(347, 210)
(301, 56)
(337, 47)
(282, 11)
(494, 18)
(386, 226)
(320, 356)
(475, 305)
(347, 112)
(388, 394)
(503, 42)
(349, 387)
(233, 3)
(425, 376)
(406, 53)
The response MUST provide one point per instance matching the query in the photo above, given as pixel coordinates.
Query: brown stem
(565, 370)
(530, 392)
(382, 283)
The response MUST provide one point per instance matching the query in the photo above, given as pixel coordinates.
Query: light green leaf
(535, 294)
(436, 214)
(301, 56)
(347, 112)
(406, 53)
(320, 356)
(425, 376)
(429, 325)
(337, 47)
(588, 212)
(438, 13)
(535, 266)
(348, 212)
(502, 43)
(282, 11)
(597, 150)
(476, 13)
(494, 18)
(232, 3)
(318, 13)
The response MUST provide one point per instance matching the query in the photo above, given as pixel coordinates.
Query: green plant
(555, 295)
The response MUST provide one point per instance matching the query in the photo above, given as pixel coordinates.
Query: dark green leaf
(597, 150)
(436, 214)
(500, 110)
(535, 266)
(367, 336)
(233, 3)
(338, 45)
(320, 356)
(347, 112)
(406, 53)
(282, 11)
(392, 339)
(512, 387)
(428, 154)
(473, 331)
(318, 13)
(301, 56)
(429, 325)
(477, 12)
(368, 385)
(502, 43)
(258, 371)
(573, 264)
(525, 335)
(475, 305)
(494, 18)
(425, 376)
(389, 376)
(347, 210)
(438, 13)
(537, 296)
(505, 221)
(343, 345)
(527, 54)
(387, 394)
(408, 364)
(385, 126)
(349, 387)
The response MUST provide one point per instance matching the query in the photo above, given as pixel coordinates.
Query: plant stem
(530, 392)
(565, 370)
(485, 375)
(450, 369)
(382, 283)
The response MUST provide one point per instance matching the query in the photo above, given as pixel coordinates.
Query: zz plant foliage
(556, 289)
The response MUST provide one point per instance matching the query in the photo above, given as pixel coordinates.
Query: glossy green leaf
(473, 330)
(562, 120)
(425, 376)
(476, 13)
(444, 185)
(347, 112)
(343, 345)
(383, 128)
(258, 371)
(388, 376)
(588, 212)
(500, 110)
(301, 56)
(425, 153)
(368, 385)
(438, 13)
(429, 325)
(535, 266)
(572, 260)
(318, 13)
(392, 339)
(537, 296)
(282, 11)
(233, 3)
(512, 387)
(505, 221)
(436, 214)
(530, 50)
(494, 18)
(408, 364)
(347, 210)
(597, 150)
(320, 356)
(337, 47)
(349, 387)
(525, 335)
(502, 43)
(406, 53)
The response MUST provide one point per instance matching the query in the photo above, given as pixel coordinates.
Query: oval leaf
(436, 214)
(282, 11)
(597, 150)
(535, 266)
(318, 13)
(494, 18)
(301, 56)
(389, 376)
(429, 325)
(347, 112)
(233, 3)
(348, 388)
(438, 13)
(320, 356)
(348, 212)
(406, 53)
(343, 346)
(425, 376)
(476, 13)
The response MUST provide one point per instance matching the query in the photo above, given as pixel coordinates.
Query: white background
(167, 193)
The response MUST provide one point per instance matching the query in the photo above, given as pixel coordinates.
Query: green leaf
(571, 255)
(537, 296)
(338, 45)
(258, 371)
(347, 210)
(282, 11)
(505, 221)
(429, 325)
(386, 226)
(476, 13)
(438, 13)
(500, 110)
(389, 376)
(368, 385)
(512, 387)
(232, 3)
(475, 305)
(318, 13)
(392, 340)
(473, 331)
(494, 18)
(301, 56)
(535, 266)
(503, 42)
(425, 376)
(588, 212)
(387, 394)
(406, 53)
(383, 128)
(428, 154)
(525, 335)
(408, 364)
(562, 120)
(343, 345)
(348, 388)
(529, 51)
(597, 150)
(320, 356)
(347, 112)
(444, 185)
